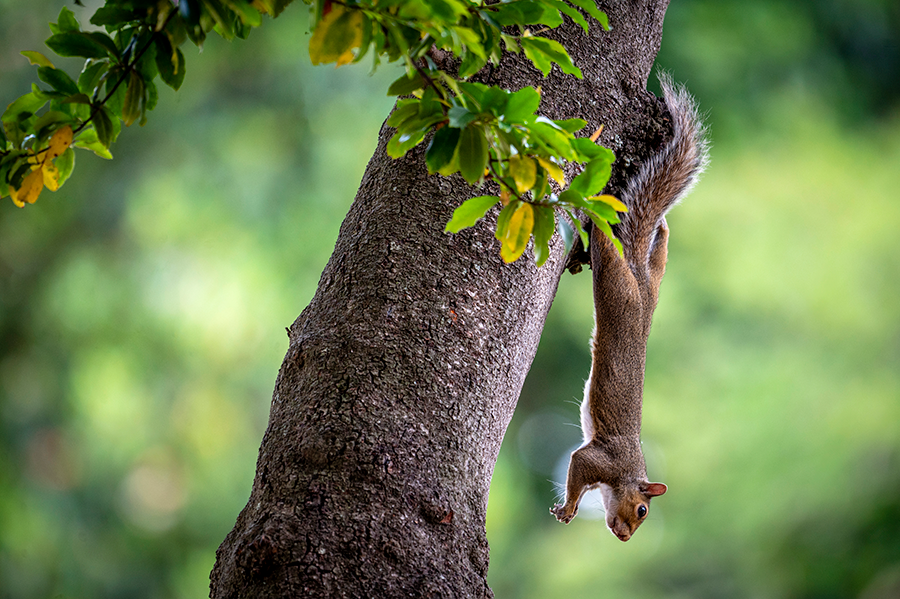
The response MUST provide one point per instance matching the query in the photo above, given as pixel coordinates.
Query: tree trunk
(403, 372)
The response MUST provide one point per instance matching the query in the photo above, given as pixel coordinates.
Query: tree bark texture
(403, 372)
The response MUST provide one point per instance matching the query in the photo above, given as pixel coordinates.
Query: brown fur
(625, 296)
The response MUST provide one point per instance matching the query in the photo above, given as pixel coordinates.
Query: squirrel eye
(642, 511)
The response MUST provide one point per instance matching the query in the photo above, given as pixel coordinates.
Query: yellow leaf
(612, 201)
(133, 103)
(523, 171)
(338, 32)
(553, 170)
(51, 175)
(30, 190)
(59, 143)
(345, 58)
(518, 233)
(36, 58)
(596, 134)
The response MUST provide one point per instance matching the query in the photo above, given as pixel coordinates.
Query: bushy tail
(666, 177)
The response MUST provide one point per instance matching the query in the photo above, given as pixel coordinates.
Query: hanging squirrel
(625, 295)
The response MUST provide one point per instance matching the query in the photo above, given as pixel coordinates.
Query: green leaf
(572, 199)
(521, 105)
(540, 188)
(503, 219)
(89, 140)
(474, 92)
(550, 17)
(65, 22)
(460, 117)
(223, 17)
(470, 212)
(544, 225)
(169, 62)
(190, 11)
(603, 210)
(472, 154)
(36, 58)
(403, 141)
(406, 109)
(276, 6)
(537, 57)
(249, 16)
(557, 141)
(89, 78)
(78, 98)
(590, 7)
(571, 12)
(65, 164)
(76, 44)
(590, 150)
(532, 13)
(58, 80)
(581, 232)
(441, 149)
(104, 40)
(27, 104)
(541, 51)
(406, 84)
(113, 16)
(471, 63)
(150, 100)
(116, 100)
(571, 125)
(494, 100)
(104, 127)
(593, 179)
(507, 14)
(607, 230)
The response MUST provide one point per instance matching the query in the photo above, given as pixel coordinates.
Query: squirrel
(626, 289)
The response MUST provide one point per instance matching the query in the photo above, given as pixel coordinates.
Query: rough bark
(403, 372)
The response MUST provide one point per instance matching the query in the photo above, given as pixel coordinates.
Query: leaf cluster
(130, 45)
(481, 132)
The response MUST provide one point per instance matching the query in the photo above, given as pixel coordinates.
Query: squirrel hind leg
(659, 253)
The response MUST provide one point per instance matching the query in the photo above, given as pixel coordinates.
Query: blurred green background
(143, 306)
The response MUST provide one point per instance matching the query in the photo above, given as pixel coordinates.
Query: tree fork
(403, 372)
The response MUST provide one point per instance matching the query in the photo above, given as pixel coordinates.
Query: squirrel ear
(655, 489)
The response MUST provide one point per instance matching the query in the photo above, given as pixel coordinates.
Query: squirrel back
(626, 289)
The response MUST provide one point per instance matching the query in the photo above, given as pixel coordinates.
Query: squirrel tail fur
(666, 177)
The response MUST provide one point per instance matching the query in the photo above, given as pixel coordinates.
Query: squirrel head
(627, 505)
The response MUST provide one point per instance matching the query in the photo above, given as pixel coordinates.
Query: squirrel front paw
(559, 510)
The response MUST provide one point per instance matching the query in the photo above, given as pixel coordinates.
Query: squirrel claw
(558, 510)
